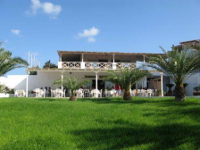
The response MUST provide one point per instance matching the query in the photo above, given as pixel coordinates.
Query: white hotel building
(94, 66)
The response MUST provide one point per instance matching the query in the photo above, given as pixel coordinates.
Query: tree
(126, 78)
(179, 65)
(72, 84)
(8, 63)
(48, 64)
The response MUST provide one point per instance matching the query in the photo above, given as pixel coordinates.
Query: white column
(145, 82)
(60, 57)
(82, 57)
(82, 62)
(62, 81)
(143, 58)
(161, 82)
(27, 86)
(114, 64)
(144, 61)
(96, 95)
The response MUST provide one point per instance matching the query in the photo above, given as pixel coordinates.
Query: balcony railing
(71, 65)
(122, 65)
(98, 65)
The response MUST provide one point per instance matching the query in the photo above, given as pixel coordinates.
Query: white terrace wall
(42, 79)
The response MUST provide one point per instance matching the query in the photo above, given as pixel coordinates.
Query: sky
(45, 26)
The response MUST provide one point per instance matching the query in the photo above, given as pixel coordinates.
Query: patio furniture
(59, 93)
(94, 92)
(79, 93)
(86, 92)
(39, 92)
(20, 93)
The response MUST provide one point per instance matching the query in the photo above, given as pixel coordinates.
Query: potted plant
(169, 93)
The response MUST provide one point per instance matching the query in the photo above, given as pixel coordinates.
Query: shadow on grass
(135, 100)
(127, 135)
(53, 99)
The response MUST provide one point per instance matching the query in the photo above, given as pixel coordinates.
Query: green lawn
(143, 123)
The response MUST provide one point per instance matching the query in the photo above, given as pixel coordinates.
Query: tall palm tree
(71, 84)
(179, 65)
(8, 63)
(126, 78)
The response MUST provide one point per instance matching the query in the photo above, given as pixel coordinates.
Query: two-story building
(94, 66)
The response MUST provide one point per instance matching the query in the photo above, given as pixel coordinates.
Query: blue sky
(45, 26)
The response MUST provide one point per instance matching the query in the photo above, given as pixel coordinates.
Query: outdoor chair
(20, 93)
(86, 92)
(79, 93)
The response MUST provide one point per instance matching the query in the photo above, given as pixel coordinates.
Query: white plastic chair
(20, 93)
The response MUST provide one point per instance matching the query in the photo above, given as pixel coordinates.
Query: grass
(143, 123)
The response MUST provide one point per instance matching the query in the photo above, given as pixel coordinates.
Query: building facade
(94, 66)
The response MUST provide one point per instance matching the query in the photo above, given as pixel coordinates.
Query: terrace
(101, 60)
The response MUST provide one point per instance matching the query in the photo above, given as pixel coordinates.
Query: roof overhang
(75, 70)
(107, 53)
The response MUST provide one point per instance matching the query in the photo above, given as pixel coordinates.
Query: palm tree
(8, 63)
(179, 65)
(72, 84)
(126, 78)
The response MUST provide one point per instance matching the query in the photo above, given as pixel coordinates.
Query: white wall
(46, 79)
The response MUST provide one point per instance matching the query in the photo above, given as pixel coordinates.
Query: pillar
(62, 81)
(143, 58)
(96, 94)
(82, 62)
(114, 65)
(161, 82)
(27, 86)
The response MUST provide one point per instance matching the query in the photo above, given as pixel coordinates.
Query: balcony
(96, 65)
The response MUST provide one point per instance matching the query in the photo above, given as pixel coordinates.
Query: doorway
(101, 84)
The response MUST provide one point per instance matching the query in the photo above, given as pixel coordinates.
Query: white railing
(71, 65)
(98, 65)
(122, 65)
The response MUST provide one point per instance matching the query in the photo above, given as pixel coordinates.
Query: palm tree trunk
(127, 95)
(73, 97)
(179, 92)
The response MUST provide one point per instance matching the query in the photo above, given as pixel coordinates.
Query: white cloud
(6, 41)
(15, 31)
(89, 34)
(46, 7)
(91, 39)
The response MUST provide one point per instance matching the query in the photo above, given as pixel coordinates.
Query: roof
(197, 41)
(107, 53)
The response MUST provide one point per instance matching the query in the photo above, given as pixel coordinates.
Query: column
(145, 82)
(96, 94)
(143, 58)
(161, 82)
(60, 57)
(62, 81)
(113, 63)
(144, 61)
(82, 62)
(27, 86)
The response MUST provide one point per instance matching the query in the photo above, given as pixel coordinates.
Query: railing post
(82, 65)
(60, 64)
(114, 66)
